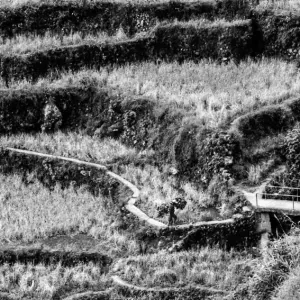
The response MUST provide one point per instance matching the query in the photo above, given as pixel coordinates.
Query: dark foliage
(239, 235)
(109, 16)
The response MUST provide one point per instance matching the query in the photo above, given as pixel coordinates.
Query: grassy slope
(280, 6)
(208, 267)
(274, 276)
(156, 184)
(74, 145)
(208, 91)
(25, 44)
(31, 212)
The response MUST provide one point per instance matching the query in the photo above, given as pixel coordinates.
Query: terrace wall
(277, 35)
(175, 42)
(109, 16)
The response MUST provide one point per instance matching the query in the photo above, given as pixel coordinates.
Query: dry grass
(25, 44)
(213, 92)
(30, 212)
(41, 282)
(207, 267)
(210, 91)
(73, 145)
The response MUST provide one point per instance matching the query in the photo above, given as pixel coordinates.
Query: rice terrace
(149, 149)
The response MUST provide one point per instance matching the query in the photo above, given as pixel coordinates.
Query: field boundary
(99, 295)
(38, 255)
(122, 283)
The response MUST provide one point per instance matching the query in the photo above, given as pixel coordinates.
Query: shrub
(164, 277)
(264, 122)
(217, 153)
(292, 148)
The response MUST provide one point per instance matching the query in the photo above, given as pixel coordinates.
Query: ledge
(120, 282)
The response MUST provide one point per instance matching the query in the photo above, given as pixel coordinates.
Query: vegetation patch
(227, 235)
(50, 282)
(35, 255)
(278, 261)
(31, 211)
(208, 268)
(26, 44)
(284, 186)
(278, 34)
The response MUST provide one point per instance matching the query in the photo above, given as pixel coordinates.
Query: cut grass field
(32, 212)
(26, 281)
(213, 93)
(207, 267)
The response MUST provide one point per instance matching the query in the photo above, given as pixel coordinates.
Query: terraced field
(124, 108)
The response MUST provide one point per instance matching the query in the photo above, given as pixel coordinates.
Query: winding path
(137, 212)
(130, 206)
